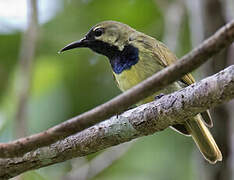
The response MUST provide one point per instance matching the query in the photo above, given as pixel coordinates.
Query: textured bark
(144, 120)
(220, 40)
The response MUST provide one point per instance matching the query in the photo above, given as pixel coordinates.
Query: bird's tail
(204, 140)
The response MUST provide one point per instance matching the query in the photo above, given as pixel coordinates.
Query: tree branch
(144, 120)
(189, 62)
(25, 74)
(173, 23)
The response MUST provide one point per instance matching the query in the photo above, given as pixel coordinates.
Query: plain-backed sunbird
(133, 57)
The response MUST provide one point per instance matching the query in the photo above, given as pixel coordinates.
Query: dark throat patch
(119, 60)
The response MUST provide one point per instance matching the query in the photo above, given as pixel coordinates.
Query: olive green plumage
(134, 57)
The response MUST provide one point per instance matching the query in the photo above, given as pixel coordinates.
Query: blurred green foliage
(65, 85)
(9, 52)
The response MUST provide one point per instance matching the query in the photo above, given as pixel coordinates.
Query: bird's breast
(143, 69)
(128, 78)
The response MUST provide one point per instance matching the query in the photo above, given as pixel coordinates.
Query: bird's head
(112, 39)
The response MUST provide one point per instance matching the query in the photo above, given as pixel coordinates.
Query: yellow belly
(139, 72)
(128, 79)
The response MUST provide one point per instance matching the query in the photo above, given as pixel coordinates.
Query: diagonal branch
(221, 39)
(144, 120)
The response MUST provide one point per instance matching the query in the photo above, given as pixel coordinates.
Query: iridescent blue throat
(128, 57)
(119, 60)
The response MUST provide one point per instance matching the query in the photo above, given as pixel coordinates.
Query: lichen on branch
(143, 120)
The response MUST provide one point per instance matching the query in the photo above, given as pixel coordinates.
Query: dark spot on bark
(145, 123)
(182, 102)
(173, 102)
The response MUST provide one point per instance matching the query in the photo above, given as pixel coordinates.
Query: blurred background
(40, 88)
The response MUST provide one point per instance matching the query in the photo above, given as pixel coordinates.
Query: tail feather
(204, 140)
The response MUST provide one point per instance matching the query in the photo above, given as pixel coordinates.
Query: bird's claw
(159, 96)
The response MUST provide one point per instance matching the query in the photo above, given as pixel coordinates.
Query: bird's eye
(98, 32)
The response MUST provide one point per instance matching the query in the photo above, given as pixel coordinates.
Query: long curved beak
(77, 44)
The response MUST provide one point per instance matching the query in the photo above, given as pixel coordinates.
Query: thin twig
(195, 21)
(221, 39)
(173, 23)
(144, 120)
(24, 77)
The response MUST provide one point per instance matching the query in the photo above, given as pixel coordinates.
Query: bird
(135, 56)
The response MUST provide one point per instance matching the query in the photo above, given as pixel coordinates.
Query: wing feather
(167, 58)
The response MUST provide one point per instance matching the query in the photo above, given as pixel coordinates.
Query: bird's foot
(158, 96)
(118, 114)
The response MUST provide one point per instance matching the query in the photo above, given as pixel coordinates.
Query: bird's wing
(167, 58)
(164, 54)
